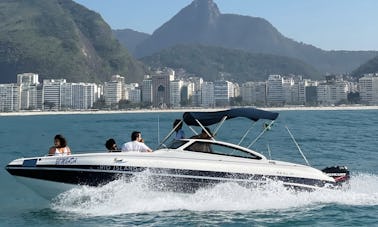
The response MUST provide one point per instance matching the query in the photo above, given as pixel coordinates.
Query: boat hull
(58, 178)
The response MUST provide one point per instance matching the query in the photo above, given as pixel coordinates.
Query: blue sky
(327, 24)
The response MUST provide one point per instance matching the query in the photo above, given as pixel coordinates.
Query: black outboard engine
(339, 173)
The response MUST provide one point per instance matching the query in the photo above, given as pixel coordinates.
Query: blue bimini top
(210, 118)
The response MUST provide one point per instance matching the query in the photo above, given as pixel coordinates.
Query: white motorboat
(182, 165)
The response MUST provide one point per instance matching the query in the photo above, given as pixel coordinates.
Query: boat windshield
(220, 149)
(176, 144)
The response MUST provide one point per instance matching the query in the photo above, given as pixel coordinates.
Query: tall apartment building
(236, 90)
(311, 95)
(290, 91)
(114, 90)
(301, 92)
(161, 87)
(254, 93)
(184, 95)
(51, 93)
(223, 91)
(187, 92)
(78, 95)
(134, 95)
(83, 95)
(195, 89)
(330, 93)
(28, 91)
(368, 86)
(207, 94)
(147, 89)
(132, 92)
(294, 90)
(275, 95)
(175, 92)
(27, 78)
(122, 81)
(66, 101)
(9, 97)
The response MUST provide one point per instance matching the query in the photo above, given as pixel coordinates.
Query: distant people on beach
(111, 145)
(136, 143)
(177, 125)
(60, 147)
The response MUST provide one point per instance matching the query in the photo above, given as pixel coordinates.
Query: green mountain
(130, 38)
(201, 22)
(370, 66)
(60, 39)
(212, 63)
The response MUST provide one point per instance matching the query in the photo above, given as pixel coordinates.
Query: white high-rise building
(332, 93)
(113, 92)
(196, 90)
(92, 94)
(83, 95)
(51, 93)
(120, 79)
(368, 86)
(27, 78)
(71, 95)
(28, 97)
(254, 92)
(207, 94)
(175, 92)
(290, 91)
(187, 92)
(28, 83)
(9, 97)
(236, 90)
(223, 91)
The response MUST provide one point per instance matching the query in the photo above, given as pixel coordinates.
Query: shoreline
(289, 108)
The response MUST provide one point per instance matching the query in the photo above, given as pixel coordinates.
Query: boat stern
(340, 174)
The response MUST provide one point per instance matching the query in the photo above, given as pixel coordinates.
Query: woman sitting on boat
(60, 147)
(201, 146)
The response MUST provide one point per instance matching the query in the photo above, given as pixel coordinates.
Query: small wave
(120, 197)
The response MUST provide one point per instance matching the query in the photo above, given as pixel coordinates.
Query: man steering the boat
(136, 143)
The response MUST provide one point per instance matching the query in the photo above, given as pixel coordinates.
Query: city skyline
(329, 25)
(166, 92)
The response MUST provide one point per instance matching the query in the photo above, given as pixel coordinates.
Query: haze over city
(329, 25)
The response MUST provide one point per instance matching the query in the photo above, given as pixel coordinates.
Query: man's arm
(145, 148)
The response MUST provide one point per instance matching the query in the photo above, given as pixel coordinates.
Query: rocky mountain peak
(203, 10)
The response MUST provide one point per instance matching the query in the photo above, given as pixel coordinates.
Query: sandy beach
(289, 108)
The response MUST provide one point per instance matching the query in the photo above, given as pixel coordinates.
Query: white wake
(119, 197)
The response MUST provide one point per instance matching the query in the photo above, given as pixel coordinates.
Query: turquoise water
(327, 138)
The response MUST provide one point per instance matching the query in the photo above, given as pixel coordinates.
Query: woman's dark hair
(134, 135)
(110, 144)
(177, 122)
(62, 140)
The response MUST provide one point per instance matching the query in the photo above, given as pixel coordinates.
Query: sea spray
(121, 197)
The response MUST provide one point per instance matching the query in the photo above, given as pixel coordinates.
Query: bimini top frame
(203, 119)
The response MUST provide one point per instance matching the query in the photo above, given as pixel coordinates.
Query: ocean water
(337, 137)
